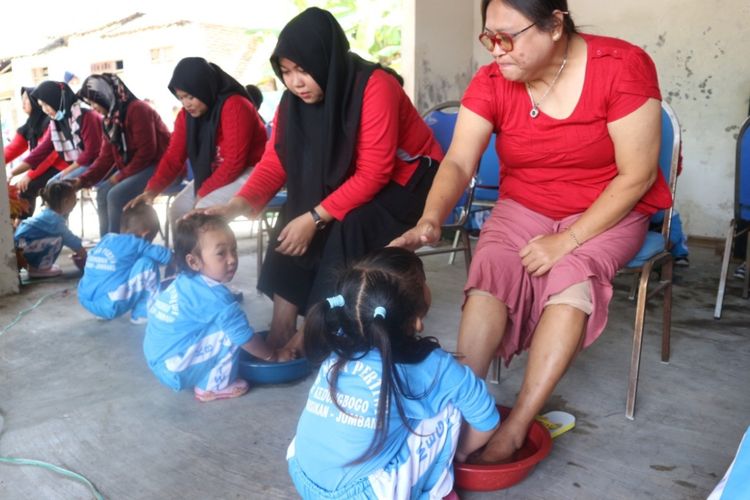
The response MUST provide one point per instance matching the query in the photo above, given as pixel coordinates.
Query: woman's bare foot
(502, 446)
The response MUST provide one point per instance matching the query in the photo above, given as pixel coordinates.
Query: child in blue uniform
(122, 271)
(384, 415)
(42, 236)
(196, 327)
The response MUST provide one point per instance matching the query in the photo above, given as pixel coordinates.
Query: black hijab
(60, 97)
(316, 142)
(36, 123)
(109, 92)
(209, 83)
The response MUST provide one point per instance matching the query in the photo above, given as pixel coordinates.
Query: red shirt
(147, 138)
(390, 133)
(91, 138)
(240, 138)
(559, 167)
(19, 145)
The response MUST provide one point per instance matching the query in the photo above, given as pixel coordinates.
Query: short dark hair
(187, 235)
(537, 11)
(55, 194)
(140, 218)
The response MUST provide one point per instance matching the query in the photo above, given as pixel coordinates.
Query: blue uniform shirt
(328, 439)
(190, 323)
(109, 264)
(41, 238)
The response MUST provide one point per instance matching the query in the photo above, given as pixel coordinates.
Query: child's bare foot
(233, 390)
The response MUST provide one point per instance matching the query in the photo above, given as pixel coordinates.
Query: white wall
(436, 44)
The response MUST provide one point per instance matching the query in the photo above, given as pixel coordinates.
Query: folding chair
(170, 192)
(267, 221)
(655, 255)
(741, 214)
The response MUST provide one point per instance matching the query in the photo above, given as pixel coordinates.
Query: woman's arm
(470, 138)
(636, 138)
(15, 148)
(141, 132)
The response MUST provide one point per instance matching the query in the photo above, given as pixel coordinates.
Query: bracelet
(575, 240)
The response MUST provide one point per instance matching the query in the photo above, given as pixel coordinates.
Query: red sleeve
(480, 95)
(52, 161)
(173, 161)
(101, 166)
(241, 134)
(143, 138)
(267, 177)
(636, 83)
(91, 136)
(16, 148)
(377, 142)
(41, 151)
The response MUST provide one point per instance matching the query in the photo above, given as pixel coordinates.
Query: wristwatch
(319, 223)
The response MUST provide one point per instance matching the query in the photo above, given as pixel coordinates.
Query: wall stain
(685, 484)
(661, 40)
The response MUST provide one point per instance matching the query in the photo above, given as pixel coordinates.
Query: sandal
(50, 272)
(233, 390)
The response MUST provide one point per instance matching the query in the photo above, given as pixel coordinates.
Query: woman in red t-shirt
(577, 119)
(356, 158)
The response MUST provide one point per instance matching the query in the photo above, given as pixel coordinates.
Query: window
(162, 54)
(38, 75)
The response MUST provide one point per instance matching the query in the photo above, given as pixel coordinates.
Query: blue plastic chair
(442, 120)
(741, 214)
(655, 255)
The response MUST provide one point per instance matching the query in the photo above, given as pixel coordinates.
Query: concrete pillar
(8, 268)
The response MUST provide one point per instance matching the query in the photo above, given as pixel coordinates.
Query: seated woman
(355, 156)
(577, 118)
(134, 141)
(27, 138)
(74, 132)
(217, 129)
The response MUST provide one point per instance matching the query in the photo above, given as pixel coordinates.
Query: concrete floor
(77, 392)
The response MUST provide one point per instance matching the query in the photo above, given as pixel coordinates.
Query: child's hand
(285, 354)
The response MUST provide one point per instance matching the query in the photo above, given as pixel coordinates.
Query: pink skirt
(496, 268)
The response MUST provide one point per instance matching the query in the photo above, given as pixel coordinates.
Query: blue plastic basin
(257, 371)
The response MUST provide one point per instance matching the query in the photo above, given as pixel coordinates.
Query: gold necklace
(535, 104)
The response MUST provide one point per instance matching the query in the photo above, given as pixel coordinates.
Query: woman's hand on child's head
(146, 197)
(296, 236)
(426, 232)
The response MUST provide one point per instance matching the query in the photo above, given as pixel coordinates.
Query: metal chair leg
(635, 358)
(495, 367)
(724, 269)
(666, 273)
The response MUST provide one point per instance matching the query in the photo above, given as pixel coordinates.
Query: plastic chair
(654, 254)
(741, 214)
(442, 120)
(487, 185)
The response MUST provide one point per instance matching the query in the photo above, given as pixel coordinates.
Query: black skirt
(306, 281)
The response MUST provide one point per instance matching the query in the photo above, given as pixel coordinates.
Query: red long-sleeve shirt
(91, 137)
(240, 138)
(147, 138)
(390, 131)
(19, 145)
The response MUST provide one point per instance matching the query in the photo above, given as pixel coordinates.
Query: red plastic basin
(496, 477)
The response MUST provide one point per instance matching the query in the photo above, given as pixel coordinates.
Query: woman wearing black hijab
(75, 131)
(218, 131)
(355, 155)
(134, 140)
(27, 137)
